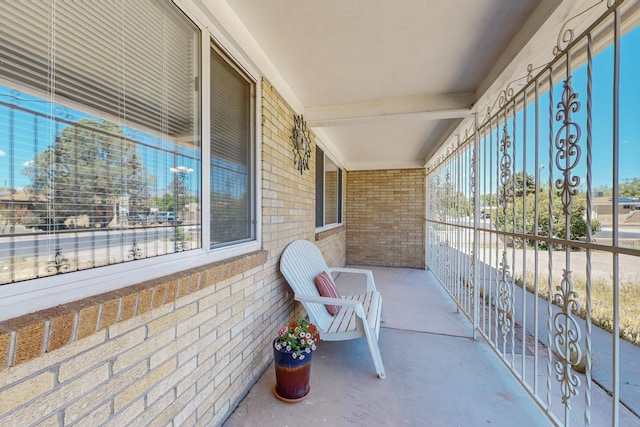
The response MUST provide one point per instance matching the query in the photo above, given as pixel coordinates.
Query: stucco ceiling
(384, 82)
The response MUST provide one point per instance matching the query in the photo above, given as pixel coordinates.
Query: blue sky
(602, 123)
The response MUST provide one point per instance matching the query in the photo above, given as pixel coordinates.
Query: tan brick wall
(332, 245)
(182, 349)
(385, 218)
(330, 197)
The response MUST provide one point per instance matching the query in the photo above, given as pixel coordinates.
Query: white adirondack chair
(358, 316)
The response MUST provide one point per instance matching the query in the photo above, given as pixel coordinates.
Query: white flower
(308, 335)
(313, 347)
(294, 355)
(288, 348)
(301, 356)
(308, 350)
(310, 341)
(278, 347)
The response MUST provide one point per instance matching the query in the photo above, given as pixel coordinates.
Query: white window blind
(99, 120)
(231, 180)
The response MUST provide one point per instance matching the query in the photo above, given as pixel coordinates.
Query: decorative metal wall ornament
(301, 144)
(568, 154)
(567, 338)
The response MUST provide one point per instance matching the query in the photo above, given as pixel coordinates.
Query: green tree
(516, 185)
(549, 224)
(630, 187)
(90, 167)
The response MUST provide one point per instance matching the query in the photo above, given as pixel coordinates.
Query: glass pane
(331, 192)
(231, 159)
(100, 164)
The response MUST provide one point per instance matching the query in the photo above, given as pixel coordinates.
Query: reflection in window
(99, 140)
(328, 190)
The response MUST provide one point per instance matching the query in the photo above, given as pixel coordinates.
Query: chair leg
(374, 349)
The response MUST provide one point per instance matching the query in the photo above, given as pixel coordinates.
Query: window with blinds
(232, 165)
(328, 190)
(99, 134)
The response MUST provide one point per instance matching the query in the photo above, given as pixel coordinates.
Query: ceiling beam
(427, 107)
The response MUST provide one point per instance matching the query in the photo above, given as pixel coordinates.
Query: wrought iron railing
(526, 224)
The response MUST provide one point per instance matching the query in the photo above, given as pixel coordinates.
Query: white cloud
(28, 163)
(2, 153)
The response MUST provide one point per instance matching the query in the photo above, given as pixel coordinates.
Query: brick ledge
(27, 337)
(328, 233)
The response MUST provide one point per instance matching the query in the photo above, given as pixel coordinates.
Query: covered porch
(438, 374)
(453, 147)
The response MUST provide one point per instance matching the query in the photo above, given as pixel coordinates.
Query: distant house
(604, 206)
(18, 199)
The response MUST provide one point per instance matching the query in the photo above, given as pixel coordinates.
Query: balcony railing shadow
(437, 374)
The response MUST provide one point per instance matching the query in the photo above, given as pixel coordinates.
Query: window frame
(36, 294)
(321, 194)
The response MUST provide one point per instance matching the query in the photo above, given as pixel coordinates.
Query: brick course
(385, 218)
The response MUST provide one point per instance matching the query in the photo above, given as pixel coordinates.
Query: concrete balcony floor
(437, 375)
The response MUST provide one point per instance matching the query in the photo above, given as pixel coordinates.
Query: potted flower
(292, 350)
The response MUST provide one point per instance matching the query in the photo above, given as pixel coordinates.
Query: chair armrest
(326, 300)
(353, 304)
(371, 284)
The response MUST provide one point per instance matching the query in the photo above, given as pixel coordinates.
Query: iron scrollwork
(567, 337)
(135, 252)
(504, 297)
(59, 264)
(505, 169)
(568, 154)
(504, 287)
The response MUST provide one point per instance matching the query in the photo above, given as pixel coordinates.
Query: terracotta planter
(292, 375)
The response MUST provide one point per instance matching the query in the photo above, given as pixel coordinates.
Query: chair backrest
(301, 262)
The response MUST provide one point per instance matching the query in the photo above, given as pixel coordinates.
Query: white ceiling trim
(427, 107)
(409, 164)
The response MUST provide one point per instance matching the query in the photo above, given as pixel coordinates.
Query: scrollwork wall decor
(301, 144)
